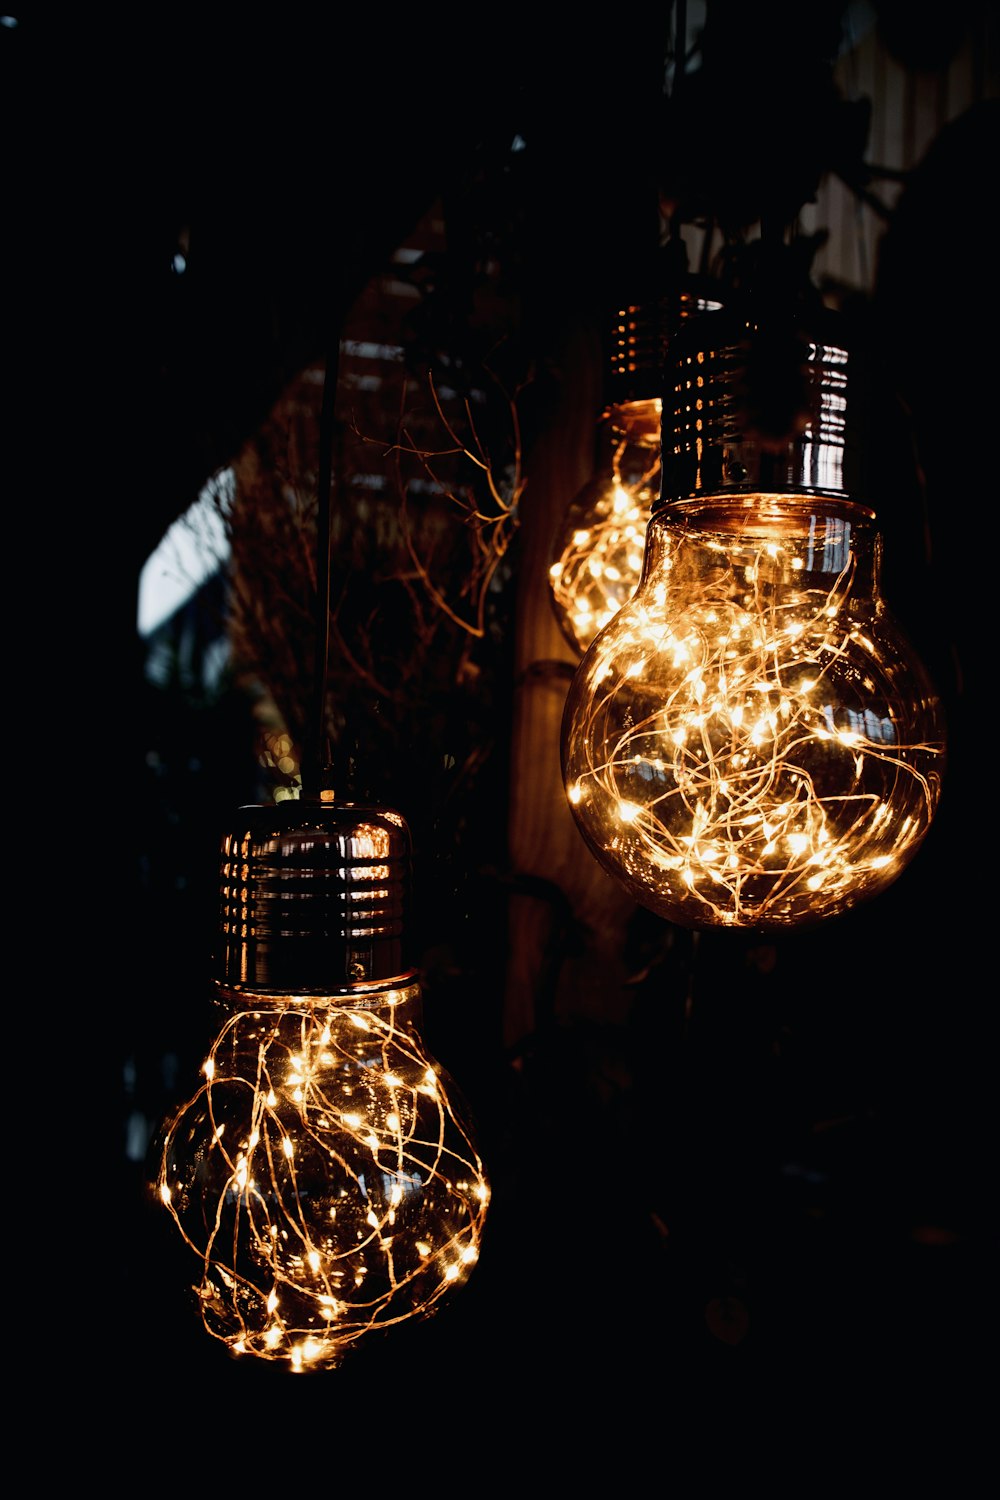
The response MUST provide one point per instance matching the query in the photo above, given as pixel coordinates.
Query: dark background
(782, 1208)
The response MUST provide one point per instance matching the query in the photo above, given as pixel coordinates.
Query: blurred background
(756, 1165)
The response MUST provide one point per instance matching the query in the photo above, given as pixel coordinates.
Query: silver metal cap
(313, 898)
(638, 336)
(755, 405)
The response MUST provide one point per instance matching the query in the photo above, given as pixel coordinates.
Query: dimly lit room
(511, 719)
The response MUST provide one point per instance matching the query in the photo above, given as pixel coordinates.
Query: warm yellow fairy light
(751, 741)
(324, 1175)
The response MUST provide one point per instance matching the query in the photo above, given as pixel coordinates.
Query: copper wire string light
(752, 741)
(324, 1174)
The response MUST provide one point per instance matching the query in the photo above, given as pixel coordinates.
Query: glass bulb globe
(751, 741)
(325, 1172)
(597, 555)
(324, 1176)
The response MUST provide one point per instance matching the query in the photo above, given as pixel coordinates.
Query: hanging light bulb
(324, 1173)
(597, 553)
(751, 741)
(598, 550)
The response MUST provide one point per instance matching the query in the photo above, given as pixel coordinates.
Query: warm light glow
(350, 1196)
(598, 553)
(751, 741)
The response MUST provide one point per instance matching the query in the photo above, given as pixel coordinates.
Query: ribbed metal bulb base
(756, 405)
(638, 337)
(313, 898)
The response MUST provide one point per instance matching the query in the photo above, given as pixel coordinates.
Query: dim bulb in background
(598, 551)
(751, 741)
(324, 1173)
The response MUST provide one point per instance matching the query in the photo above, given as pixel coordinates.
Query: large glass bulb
(324, 1173)
(751, 741)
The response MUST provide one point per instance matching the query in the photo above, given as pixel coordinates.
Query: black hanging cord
(680, 41)
(319, 774)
